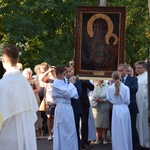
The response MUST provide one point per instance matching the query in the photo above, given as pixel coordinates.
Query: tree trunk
(102, 3)
(149, 7)
(149, 76)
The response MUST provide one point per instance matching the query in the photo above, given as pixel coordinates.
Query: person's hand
(100, 100)
(51, 73)
(72, 79)
(95, 99)
(51, 70)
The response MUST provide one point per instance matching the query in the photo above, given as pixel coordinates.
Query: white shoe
(105, 142)
(96, 142)
(50, 138)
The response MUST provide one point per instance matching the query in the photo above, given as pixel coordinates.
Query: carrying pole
(148, 62)
(102, 3)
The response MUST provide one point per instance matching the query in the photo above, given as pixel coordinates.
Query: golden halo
(110, 27)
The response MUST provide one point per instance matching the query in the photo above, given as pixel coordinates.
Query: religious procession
(94, 99)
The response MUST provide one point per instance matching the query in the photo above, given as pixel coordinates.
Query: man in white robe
(142, 102)
(18, 106)
(65, 136)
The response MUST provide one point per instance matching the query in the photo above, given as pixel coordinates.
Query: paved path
(44, 144)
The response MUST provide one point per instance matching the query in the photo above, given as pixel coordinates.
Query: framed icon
(99, 40)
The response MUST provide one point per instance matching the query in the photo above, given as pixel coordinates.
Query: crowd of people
(77, 112)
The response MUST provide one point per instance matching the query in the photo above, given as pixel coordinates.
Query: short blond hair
(36, 68)
(44, 65)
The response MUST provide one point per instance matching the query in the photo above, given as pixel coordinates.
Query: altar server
(65, 136)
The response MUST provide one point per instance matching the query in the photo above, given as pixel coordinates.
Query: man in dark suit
(76, 103)
(86, 86)
(132, 83)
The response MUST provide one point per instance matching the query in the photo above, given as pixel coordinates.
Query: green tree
(137, 29)
(44, 29)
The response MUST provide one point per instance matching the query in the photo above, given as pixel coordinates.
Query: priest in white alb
(18, 106)
(142, 102)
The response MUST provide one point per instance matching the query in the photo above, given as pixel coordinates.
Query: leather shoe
(84, 147)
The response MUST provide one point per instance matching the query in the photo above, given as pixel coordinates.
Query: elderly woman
(101, 111)
(27, 72)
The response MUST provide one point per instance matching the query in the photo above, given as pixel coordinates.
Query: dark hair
(60, 70)
(124, 66)
(141, 62)
(67, 66)
(12, 52)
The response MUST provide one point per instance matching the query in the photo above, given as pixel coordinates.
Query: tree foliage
(137, 29)
(44, 29)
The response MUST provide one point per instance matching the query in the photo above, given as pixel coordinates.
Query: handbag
(42, 105)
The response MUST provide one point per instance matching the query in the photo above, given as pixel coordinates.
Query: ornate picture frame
(99, 40)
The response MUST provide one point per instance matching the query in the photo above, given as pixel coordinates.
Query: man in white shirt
(18, 106)
(142, 102)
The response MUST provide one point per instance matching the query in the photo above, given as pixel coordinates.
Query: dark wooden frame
(97, 57)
